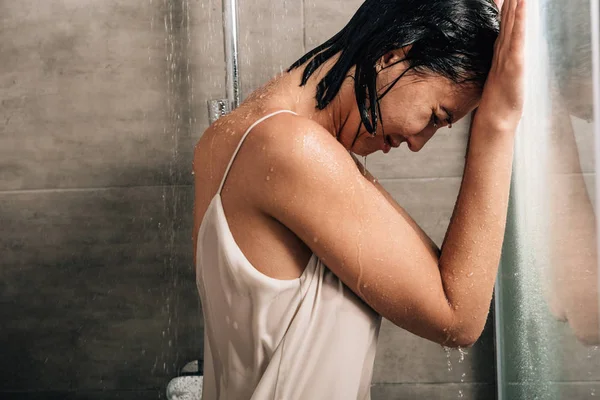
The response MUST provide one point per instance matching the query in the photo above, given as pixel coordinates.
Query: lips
(392, 141)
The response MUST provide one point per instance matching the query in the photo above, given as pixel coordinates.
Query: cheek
(402, 119)
(412, 126)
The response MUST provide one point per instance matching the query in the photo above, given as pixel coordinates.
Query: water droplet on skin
(271, 169)
(268, 178)
(470, 274)
(235, 325)
(315, 239)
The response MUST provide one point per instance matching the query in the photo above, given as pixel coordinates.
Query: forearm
(472, 247)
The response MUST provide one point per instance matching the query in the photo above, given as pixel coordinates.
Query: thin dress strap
(242, 141)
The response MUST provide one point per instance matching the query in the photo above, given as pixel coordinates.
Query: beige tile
(430, 202)
(323, 19)
(442, 156)
(271, 39)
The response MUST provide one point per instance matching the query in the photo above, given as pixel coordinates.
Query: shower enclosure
(546, 300)
(102, 102)
(547, 321)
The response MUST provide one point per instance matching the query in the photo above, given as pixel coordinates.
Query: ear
(392, 57)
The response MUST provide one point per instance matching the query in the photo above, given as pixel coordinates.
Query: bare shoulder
(294, 155)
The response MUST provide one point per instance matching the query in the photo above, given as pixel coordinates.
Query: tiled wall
(97, 287)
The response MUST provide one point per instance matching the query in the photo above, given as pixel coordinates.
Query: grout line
(433, 383)
(424, 178)
(435, 178)
(88, 189)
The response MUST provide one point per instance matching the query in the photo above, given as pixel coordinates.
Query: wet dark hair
(451, 38)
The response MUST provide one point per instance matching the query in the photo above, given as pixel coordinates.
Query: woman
(299, 252)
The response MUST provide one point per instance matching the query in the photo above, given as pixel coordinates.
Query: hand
(502, 98)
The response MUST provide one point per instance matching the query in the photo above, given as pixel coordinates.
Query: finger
(503, 28)
(510, 18)
(517, 40)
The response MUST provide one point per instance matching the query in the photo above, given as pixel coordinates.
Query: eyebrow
(450, 115)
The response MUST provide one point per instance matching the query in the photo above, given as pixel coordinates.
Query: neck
(339, 118)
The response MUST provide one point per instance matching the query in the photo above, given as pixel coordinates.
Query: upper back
(246, 192)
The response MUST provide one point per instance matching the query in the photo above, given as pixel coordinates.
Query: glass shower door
(547, 290)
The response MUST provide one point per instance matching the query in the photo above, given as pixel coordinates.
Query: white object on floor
(190, 368)
(185, 388)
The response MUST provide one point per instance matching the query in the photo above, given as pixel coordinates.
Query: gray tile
(442, 156)
(466, 391)
(552, 390)
(87, 395)
(97, 288)
(430, 202)
(582, 390)
(95, 99)
(271, 39)
(207, 52)
(577, 362)
(406, 358)
(323, 19)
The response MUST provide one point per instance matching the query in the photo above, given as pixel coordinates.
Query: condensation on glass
(547, 291)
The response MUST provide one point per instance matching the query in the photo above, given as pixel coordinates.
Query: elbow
(464, 340)
(464, 335)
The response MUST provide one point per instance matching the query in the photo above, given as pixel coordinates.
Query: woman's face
(414, 109)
